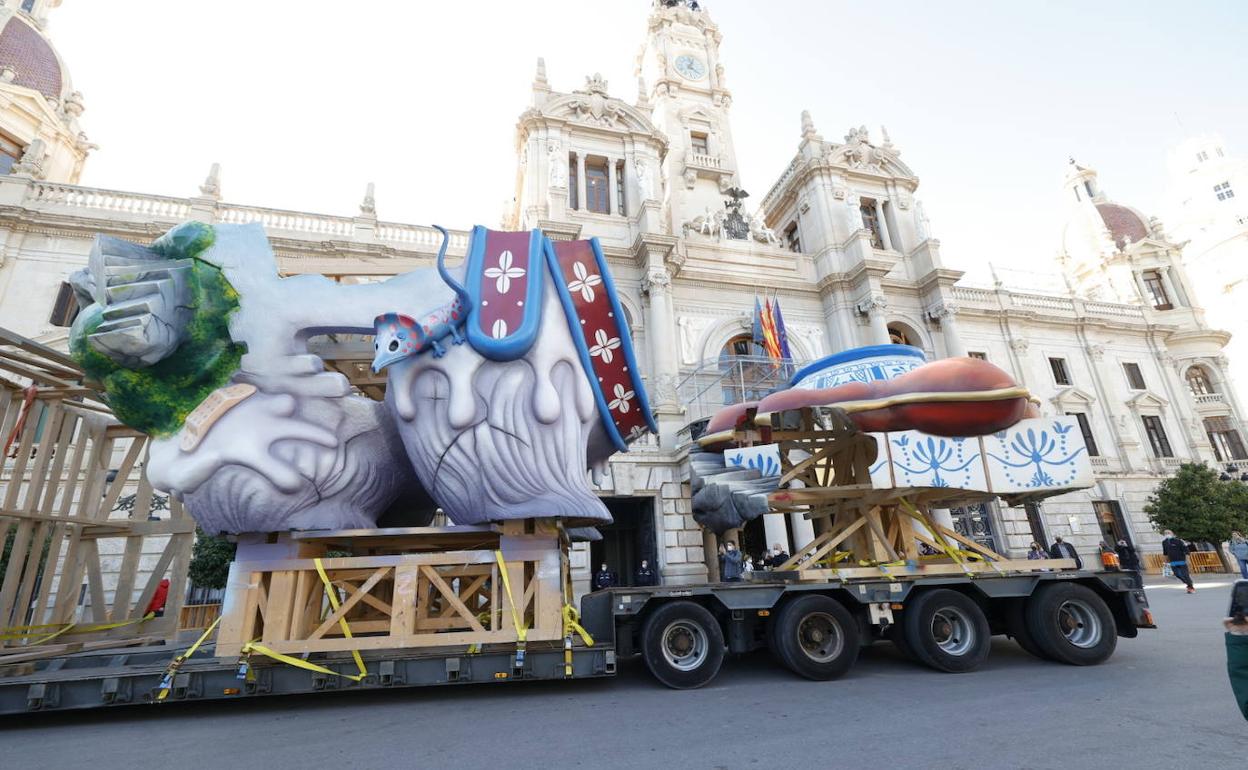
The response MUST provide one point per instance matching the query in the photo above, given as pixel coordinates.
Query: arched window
(1198, 381)
(746, 373)
(742, 345)
(898, 336)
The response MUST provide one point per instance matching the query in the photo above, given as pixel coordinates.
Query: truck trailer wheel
(1016, 627)
(1072, 624)
(816, 637)
(682, 645)
(947, 631)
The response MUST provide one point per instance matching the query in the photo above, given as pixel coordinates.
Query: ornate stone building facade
(840, 238)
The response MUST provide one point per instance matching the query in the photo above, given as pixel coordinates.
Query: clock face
(690, 67)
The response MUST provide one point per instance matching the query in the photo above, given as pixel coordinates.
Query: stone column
(776, 532)
(883, 225)
(1142, 289)
(580, 182)
(947, 313)
(803, 530)
(613, 205)
(1171, 293)
(876, 307)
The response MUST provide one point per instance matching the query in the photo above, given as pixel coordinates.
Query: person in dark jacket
(645, 575)
(605, 578)
(1237, 660)
(730, 563)
(1063, 550)
(777, 556)
(1175, 551)
(1127, 557)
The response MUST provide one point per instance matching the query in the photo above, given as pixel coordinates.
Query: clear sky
(304, 102)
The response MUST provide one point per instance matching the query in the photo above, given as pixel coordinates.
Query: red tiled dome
(25, 51)
(1122, 222)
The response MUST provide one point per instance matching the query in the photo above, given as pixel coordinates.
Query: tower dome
(39, 133)
(28, 59)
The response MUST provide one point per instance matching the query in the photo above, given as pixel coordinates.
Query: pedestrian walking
(1036, 552)
(1127, 557)
(731, 565)
(1063, 550)
(645, 575)
(604, 578)
(1175, 551)
(1239, 549)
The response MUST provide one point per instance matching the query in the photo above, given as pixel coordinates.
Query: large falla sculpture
(508, 378)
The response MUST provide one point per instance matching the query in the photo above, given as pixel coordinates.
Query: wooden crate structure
(66, 483)
(862, 530)
(418, 587)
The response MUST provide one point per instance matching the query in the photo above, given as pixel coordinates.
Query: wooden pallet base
(416, 588)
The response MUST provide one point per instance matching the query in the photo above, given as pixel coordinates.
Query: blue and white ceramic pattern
(875, 362)
(764, 458)
(920, 460)
(1038, 454)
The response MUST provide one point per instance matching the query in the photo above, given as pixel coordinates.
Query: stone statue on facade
(645, 179)
(557, 166)
(761, 232)
(31, 162)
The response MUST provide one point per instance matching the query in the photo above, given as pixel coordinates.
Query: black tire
(947, 631)
(816, 637)
(1072, 624)
(1016, 627)
(683, 645)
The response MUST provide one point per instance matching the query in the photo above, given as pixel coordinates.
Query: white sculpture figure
(645, 179)
(709, 222)
(761, 232)
(557, 165)
(488, 431)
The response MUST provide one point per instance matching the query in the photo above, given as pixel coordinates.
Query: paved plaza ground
(1162, 701)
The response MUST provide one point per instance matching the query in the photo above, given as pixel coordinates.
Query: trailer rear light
(1148, 618)
(896, 606)
(231, 691)
(764, 613)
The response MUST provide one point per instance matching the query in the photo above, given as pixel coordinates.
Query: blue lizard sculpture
(399, 336)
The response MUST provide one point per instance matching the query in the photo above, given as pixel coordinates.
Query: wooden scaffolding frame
(862, 531)
(67, 465)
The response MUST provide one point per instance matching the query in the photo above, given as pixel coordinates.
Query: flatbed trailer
(683, 634)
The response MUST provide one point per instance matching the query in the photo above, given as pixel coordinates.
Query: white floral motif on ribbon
(504, 272)
(585, 282)
(500, 329)
(603, 345)
(621, 400)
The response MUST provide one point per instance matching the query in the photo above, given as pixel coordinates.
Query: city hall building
(839, 238)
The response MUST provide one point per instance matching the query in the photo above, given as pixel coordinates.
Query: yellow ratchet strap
(342, 622)
(572, 623)
(21, 632)
(255, 647)
(166, 682)
(521, 632)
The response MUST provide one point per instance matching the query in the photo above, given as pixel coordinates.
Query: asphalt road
(1162, 701)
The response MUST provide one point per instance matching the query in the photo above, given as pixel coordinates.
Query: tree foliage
(210, 560)
(1198, 506)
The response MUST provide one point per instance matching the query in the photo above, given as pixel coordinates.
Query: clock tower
(680, 65)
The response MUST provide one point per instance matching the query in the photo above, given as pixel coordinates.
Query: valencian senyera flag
(771, 340)
(756, 326)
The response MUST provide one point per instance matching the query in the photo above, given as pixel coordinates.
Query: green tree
(210, 560)
(1197, 505)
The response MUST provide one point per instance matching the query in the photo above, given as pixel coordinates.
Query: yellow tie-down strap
(166, 682)
(521, 632)
(22, 632)
(290, 660)
(572, 624)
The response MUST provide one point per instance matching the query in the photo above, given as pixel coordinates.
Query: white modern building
(651, 169)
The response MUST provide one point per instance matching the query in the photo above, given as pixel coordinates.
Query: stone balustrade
(287, 221)
(976, 297)
(1205, 399)
(40, 195)
(705, 161)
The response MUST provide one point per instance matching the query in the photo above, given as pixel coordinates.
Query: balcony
(1209, 399)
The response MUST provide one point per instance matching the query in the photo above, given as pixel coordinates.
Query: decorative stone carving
(1096, 351)
(593, 106)
(808, 128)
(875, 303)
(657, 279)
(735, 225)
(942, 310)
(1019, 346)
(73, 105)
(858, 152)
(368, 206)
(691, 330)
(557, 166)
(31, 162)
(665, 389)
(211, 188)
(691, 179)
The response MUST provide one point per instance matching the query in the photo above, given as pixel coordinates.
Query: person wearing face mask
(731, 565)
(1127, 557)
(645, 575)
(604, 578)
(1175, 551)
